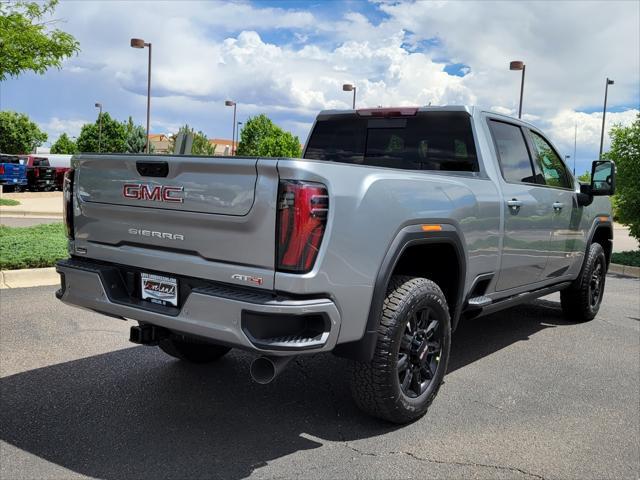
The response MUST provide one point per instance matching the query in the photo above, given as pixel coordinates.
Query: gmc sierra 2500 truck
(394, 225)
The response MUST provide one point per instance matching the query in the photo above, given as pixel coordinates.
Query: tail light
(1, 169)
(36, 172)
(302, 217)
(67, 201)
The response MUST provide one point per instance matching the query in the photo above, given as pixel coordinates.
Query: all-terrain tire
(376, 385)
(192, 351)
(581, 300)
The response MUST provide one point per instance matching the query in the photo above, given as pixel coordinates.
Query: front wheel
(581, 300)
(192, 351)
(411, 354)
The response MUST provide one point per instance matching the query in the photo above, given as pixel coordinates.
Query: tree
(18, 134)
(112, 140)
(625, 152)
(201, 144)
(136, 137)
(27, 43)
(64, 145)
(585, 177)
(260, 137)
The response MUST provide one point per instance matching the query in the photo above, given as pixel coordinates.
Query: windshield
(426, 141)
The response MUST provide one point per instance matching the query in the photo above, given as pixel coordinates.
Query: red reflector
(302, 216)
(67, 201)
(387, 112)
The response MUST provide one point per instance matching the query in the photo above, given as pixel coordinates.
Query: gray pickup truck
(394, 225)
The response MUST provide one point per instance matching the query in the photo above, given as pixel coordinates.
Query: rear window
(9, 159)
(41, 162)
(427, 141)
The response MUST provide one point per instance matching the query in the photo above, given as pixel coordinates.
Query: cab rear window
(426, 141)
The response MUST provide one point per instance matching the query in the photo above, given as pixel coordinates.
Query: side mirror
(603, 178)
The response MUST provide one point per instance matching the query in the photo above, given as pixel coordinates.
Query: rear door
(527, 211)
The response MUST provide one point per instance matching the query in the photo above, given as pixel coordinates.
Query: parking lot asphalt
(528, 396)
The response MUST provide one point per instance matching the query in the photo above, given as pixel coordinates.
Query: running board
(479, 302)
(515, 300)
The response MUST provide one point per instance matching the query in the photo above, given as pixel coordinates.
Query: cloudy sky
(289, 59)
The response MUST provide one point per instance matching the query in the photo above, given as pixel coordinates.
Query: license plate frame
(159, 289)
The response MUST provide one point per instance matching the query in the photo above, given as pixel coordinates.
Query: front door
(567, 239)
(528, 216)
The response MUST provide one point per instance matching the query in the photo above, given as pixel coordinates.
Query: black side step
(518, 299)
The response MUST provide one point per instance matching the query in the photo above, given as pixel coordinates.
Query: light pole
(238, 131)
(99, 105)
(519, 65)
(348, 87)
(231, 103)
(575, 145)
(139, 43)
(604, 114)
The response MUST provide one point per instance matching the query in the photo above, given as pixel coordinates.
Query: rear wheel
(191, 350)
(411, 353)
(581, 301)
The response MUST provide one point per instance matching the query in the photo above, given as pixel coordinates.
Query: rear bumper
(43, 183)
(13, 181)
(227, 315)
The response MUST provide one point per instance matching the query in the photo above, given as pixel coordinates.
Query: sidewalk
(622, 241)
(33, 204)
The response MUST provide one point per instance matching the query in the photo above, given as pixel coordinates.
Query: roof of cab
(470, 109)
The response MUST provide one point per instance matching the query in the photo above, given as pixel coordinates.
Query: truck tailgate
(204, 217)
(10, 171)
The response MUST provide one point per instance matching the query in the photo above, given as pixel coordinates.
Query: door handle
(557, 206)
(514, 205)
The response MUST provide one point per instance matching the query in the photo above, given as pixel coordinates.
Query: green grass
(9, 202)
(631, 258)
(32, 247)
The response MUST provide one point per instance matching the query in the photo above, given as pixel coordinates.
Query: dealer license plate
(159, 289)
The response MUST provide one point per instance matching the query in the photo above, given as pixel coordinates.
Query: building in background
(160, 143)
(222, 146)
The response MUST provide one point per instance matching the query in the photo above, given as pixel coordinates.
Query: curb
(18, 214)
(28, 277)
(624, 270)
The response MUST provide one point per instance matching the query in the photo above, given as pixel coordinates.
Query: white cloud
(589, 126)
(57, 126)
(206, 52)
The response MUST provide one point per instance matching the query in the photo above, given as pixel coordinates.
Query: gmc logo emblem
(156, 193)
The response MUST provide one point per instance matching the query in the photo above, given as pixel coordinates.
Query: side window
(513, 154)
(553, 168)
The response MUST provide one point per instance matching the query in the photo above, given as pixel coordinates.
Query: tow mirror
(603, 182)
(603, 178)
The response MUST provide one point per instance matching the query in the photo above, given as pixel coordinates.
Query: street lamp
(231, 103)
(139, 43)
(99, 105)
(519, 65)
(604, 113)
(348, 87)
(566, 162)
